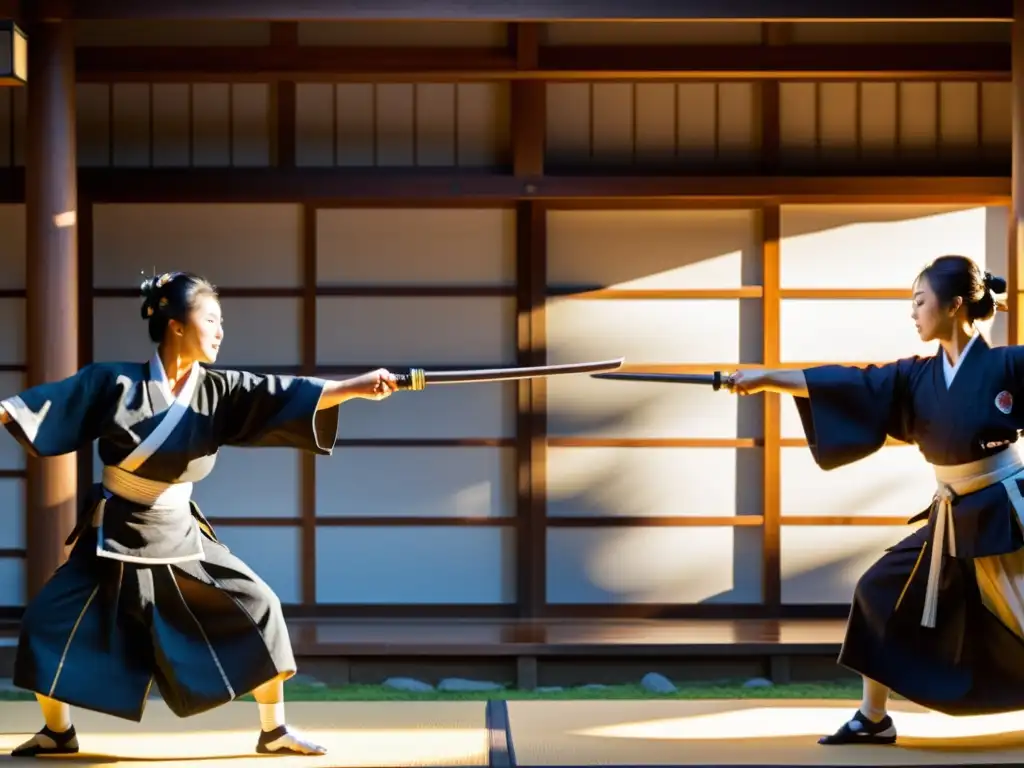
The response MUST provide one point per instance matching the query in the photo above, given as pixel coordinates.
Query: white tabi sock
(876, 698)
(271, 715)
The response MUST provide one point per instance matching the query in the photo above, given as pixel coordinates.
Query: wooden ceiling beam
(327, 186)
(977, 61)
(538, 10)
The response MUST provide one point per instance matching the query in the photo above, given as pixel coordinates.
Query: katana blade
(418, 378)
(714, 380)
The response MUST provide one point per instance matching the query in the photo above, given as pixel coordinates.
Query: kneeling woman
(148, 592)
(939, 618)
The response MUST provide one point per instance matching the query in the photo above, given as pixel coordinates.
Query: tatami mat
(356, 734)
(551, 733)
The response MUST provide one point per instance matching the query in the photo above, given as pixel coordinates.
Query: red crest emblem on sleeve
(1004, 401)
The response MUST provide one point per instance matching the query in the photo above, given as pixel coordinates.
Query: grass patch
(303, 692)
(726, 690)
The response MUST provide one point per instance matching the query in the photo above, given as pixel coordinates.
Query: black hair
(171, 296)
(952, 276)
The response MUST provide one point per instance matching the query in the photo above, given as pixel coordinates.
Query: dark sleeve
(269, 411)
(55, 418)
(849, 412)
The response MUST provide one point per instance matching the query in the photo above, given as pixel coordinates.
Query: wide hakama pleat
(970, 663)
(101, 631)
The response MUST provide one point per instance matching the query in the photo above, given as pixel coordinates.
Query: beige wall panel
(396, 115)
(172, 124)
(483, 124)
(211, 121)
(131, 111)
(6, 126)
(458, 246)
(738, 127)
(404, 34)
(697, 111)
(996, 116)
(958, 119)
(415, 565)
(838, 120)
(798, 121)
(273, 552)
(415, 331)
(92, 105)
(896, 480)
(580, 406)
(821, 564)
(875, 246)
(232, 245)
(12, 455)
(12, 247)
(314, 124)
(12, 320)
(258, 332)
(20, 120)
(655, 122)
(435, 124)
(654, 330)
(355, 123)
(12, 512)
(252, 483)
(250, 124)
(898, 32)
(653, 482)
(878, 120)
(12, 582)
(653, 565)
(653, 250)
(862, 330)
(436, 413)
(568, 115)
(651, 33)
(919, 119)
(613, 120)
(164, 32)
(436, 482)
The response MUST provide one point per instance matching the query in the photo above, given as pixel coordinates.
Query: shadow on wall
(652, 250)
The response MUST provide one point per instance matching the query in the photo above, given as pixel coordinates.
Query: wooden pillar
(1014, 263)
(51, 279)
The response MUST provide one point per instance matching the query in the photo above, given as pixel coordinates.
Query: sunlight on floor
(781, 722)
(356, 747)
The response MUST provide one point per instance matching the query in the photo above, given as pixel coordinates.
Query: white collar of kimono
(948, 369)
(159, 374)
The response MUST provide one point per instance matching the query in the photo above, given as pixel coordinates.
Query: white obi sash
(999, 577)
(120, 480)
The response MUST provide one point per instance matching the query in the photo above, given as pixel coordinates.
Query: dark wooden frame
(531, 193)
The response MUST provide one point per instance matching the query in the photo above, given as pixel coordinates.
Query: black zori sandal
(861, 730)
(48, 742)
(281, 741)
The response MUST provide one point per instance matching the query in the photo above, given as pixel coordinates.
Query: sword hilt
(414, 379)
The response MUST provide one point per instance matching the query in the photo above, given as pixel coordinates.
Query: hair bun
(994, 283)
(149, 290)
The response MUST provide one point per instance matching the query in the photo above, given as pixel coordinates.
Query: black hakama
(969, 658)
(148, 592)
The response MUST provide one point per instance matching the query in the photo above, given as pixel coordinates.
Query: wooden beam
(538, 10)
(963, 61)
(1016, 224)
(332, 186)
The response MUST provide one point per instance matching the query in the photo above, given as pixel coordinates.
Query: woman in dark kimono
(148, 592)
(939, 618)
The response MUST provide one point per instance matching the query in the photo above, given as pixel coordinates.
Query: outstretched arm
(375, 385)
(784, 382)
